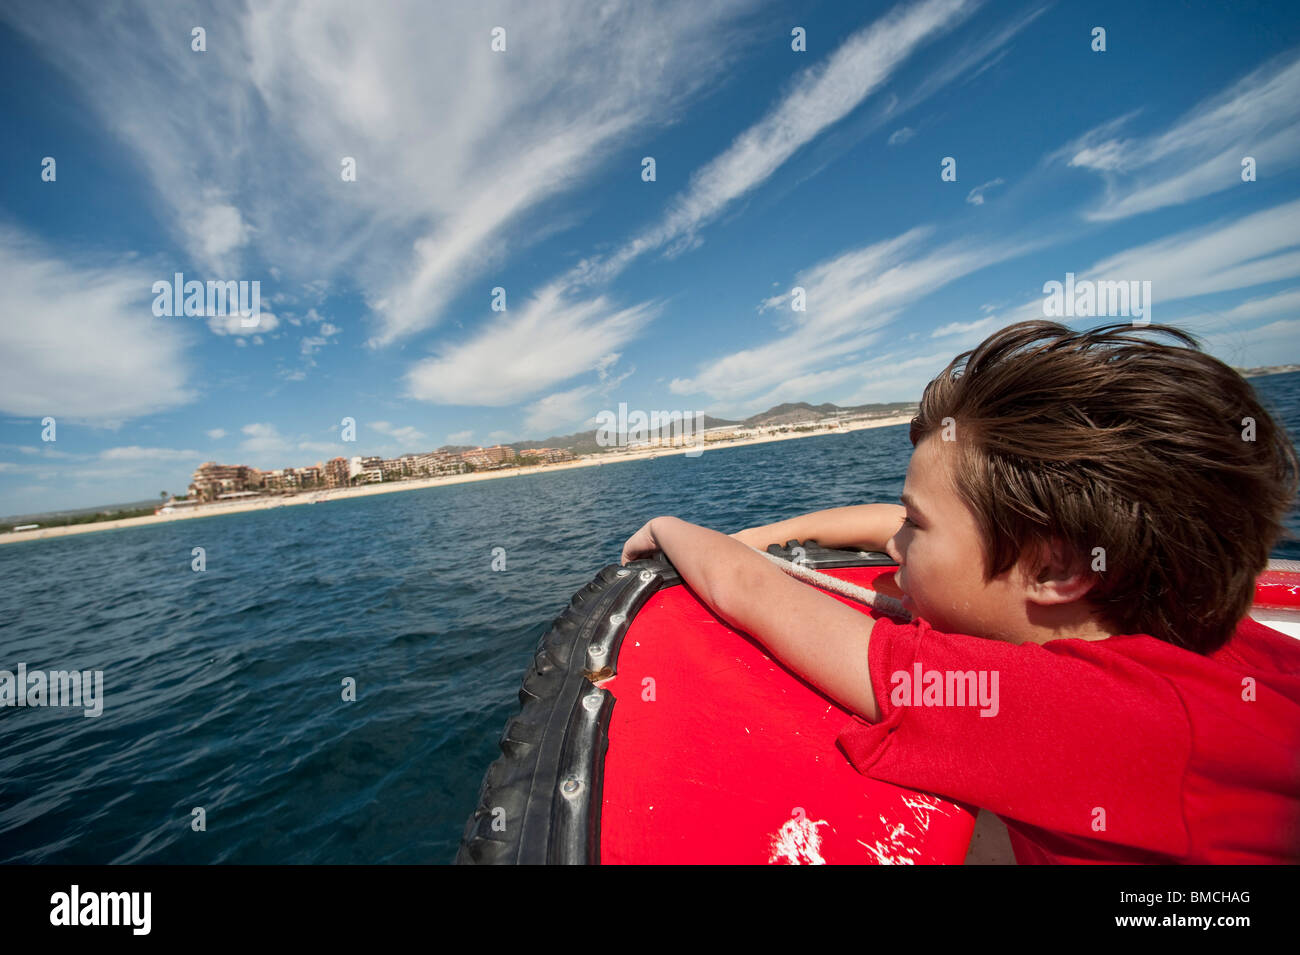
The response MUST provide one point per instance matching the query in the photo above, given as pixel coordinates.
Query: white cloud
(82, 340)
(822, 95)
(446, 184)
(311, 344)
(1201, 153)
(215, 231)
(977, 54)
(575, 409)
(902, 376)
(266, 447)
(546, 342)
(263, 438)
(406, 434)
(850, 300)
(553, 342)
(216, 434)
(1282, 303)
(564, 410)
(965, 328)
(605, 363)
(137, 453)
(1226, 256)
(460, 437)
(234, 324)
(45, 450)
(976, 196)
(445, 180)
(900, 136)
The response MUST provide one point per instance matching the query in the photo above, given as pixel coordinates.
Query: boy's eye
(908, 520)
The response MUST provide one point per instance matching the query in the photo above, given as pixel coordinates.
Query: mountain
(584, 442)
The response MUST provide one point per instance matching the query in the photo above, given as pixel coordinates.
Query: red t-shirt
(1127, 749)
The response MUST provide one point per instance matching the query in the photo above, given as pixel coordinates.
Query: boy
(1085, 516)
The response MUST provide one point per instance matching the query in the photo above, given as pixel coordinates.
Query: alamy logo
(57, 688)
(635, 429)
(1086, 299)
(946, 688)
(75, 907)
(192, 299)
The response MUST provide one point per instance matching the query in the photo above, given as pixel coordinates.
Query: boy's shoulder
(1259, 646)
(1255, 652)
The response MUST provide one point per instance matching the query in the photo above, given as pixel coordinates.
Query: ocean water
(223, 688)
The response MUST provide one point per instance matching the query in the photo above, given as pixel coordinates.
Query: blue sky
(522, 169)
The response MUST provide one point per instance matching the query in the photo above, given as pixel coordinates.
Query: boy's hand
(641, 544)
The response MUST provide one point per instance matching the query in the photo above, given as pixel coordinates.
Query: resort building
(367, 470)
(212, 480)
(437, 463)
(548, 455)
(337, 472)
(488, 457)
(281, 479)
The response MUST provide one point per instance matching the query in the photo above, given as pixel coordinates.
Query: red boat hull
(718, 754)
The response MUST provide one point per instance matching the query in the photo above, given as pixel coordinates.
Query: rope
(877, 601)
(891, 605)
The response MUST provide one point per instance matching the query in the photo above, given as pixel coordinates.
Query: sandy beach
(219, 508)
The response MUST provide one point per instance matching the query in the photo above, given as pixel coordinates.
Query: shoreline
(218, 509)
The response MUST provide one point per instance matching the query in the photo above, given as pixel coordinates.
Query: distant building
(281, 479)
(436, 464)
(366, 470)
(488, 457)
(212, 480)
(337, 472)
(548, 455)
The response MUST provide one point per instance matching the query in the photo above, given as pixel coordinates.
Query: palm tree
(163, 495)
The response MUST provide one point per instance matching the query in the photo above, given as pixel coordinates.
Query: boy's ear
(1062, 575)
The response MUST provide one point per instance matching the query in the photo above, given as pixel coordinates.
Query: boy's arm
(860, 526)
(812, 633)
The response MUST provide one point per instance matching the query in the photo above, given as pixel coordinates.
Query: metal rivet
(645, 576)
(592, 702)
(623, 572)
(595, 651)
(617, 618)
(571, 786)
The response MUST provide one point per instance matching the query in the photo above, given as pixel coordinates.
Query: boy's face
(941, 560)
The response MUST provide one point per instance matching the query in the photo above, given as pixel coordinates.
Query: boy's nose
(892, 550)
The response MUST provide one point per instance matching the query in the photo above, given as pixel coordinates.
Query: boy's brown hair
(1161, 455)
